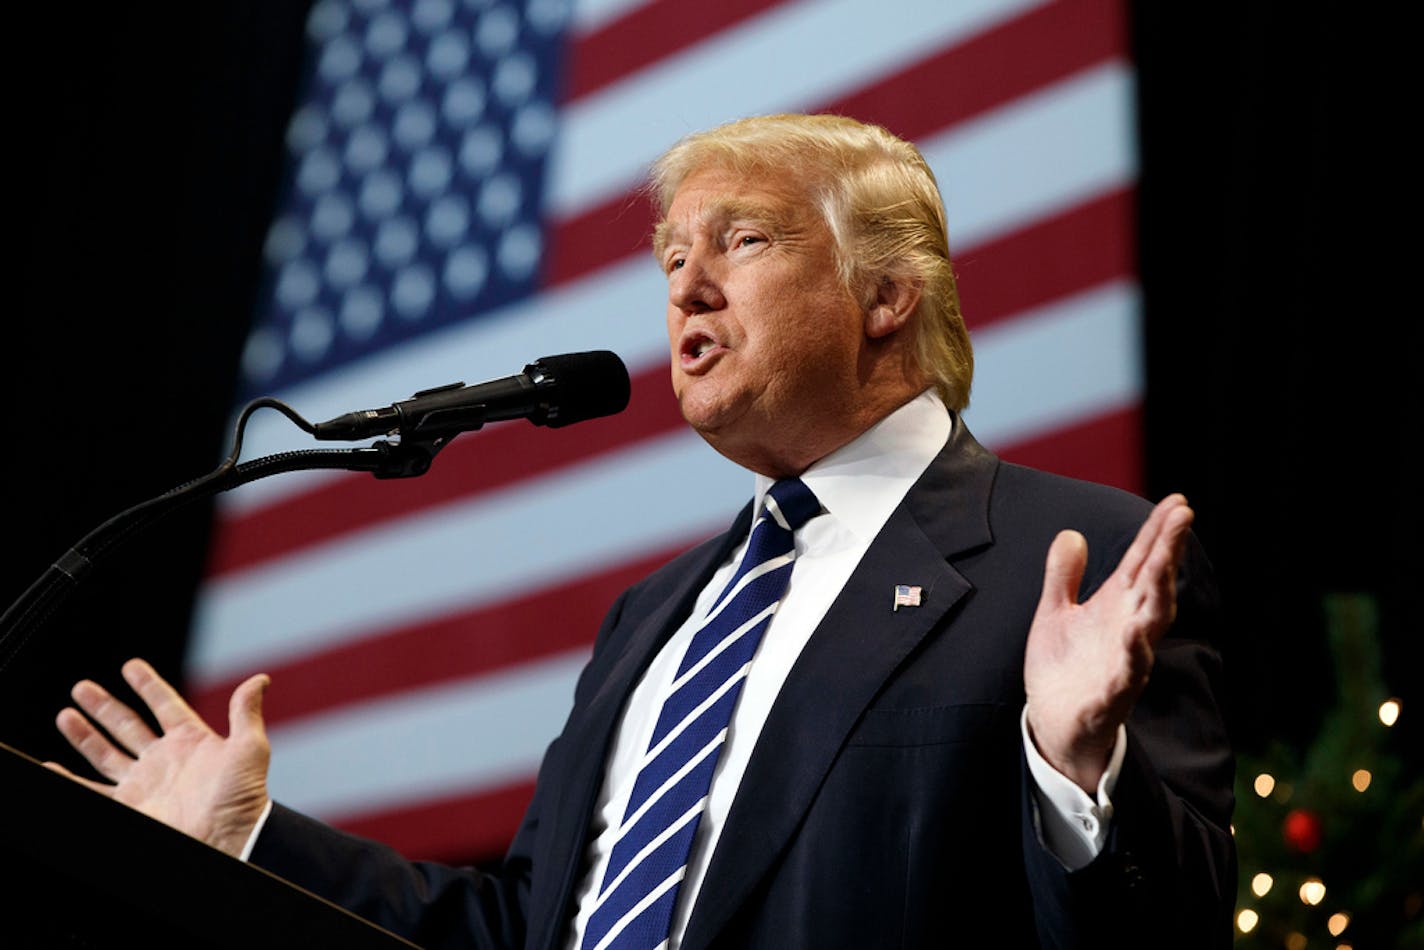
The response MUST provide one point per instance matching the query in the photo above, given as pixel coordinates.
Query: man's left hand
(1086, 664)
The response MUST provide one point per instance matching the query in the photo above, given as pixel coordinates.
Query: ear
(894, 303)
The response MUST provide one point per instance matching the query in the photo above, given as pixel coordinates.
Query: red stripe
(462, 829)
(926, 98)
(457, 646)
(476, 462)
(991, 68)
(641, 37)
(598, 236)
(1069, 252)
(1105, 449)
(1056, 246)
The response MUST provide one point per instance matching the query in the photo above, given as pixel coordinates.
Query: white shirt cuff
(1072, 825)
(256, 830)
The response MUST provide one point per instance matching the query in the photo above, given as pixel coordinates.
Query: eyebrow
(721, 209)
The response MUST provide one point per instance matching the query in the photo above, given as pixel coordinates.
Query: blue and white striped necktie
(635, 901)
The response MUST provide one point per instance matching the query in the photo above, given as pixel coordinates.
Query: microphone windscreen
(585, 386)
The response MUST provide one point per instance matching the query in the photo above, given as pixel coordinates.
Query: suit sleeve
(433, 905)
(430, 904)
(1167, 876)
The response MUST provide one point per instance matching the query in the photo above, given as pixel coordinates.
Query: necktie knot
(791, 503)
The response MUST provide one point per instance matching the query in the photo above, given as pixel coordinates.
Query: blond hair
(881, 203)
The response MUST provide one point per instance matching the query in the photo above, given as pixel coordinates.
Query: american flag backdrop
(462, 198)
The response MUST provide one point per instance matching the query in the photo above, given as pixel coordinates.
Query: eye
(746, 240)
(673, 259)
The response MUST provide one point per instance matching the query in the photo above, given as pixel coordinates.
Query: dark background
(1275, 229)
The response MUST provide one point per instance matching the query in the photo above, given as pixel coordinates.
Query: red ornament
(1302, 830)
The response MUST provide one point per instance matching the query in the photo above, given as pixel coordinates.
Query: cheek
(821, 323)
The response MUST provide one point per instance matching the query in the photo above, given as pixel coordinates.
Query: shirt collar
(863, 481)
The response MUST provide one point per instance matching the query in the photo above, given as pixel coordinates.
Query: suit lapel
(591, 733)
(856, 648)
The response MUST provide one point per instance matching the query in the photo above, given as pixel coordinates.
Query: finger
(1063, 571)
(122, 723)
(244, 709)
(168, 707)
(108, 760)
(100, 787)
(1165, 555)
(1141, 548)
(1157, 581)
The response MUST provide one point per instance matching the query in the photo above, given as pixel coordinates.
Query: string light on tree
(1389, 711)
(1312, 891)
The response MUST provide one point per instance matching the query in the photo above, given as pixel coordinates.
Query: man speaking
(914, 697)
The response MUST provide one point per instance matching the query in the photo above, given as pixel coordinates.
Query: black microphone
(552, 391)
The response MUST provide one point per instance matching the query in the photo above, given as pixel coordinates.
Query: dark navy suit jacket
(887, 802)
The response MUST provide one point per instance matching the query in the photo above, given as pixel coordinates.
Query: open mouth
(697, 349)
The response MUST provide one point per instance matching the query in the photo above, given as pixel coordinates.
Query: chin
(703, 424)
(706, 411)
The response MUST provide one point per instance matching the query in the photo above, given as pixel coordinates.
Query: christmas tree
(1331, 835)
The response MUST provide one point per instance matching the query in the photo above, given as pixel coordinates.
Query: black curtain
(1279, 338)
(149, 147)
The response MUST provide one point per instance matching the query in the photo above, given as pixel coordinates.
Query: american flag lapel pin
(907, 596)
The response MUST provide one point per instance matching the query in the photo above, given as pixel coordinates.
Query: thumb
(244, 709)
(1063, 573)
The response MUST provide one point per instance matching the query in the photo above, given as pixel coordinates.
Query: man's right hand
(189, 777)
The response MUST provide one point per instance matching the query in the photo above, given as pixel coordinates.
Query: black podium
(81, 871)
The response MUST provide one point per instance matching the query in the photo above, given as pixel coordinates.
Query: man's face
(765, 338)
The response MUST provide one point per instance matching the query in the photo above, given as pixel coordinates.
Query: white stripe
(630, 820)
(1037, 155)
(648, 849)
(736, 677)
(456, 738)
(775, 510)
(1074, 359)
(795, 56)
(464, 555)
(1067, 361)
(765, 567)
(722, 644)
(998, 175)
(642, 905)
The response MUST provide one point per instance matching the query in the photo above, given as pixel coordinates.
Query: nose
(696, 287)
